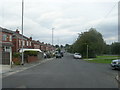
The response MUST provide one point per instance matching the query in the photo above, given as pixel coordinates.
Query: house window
(7, 37)
(10, 37)
(27, 43)
(19, 42)
(23, 43)
(30, 43)
(3, 48)
(6, 49)
(4, 37)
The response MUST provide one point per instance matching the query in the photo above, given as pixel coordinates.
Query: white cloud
(67, 17)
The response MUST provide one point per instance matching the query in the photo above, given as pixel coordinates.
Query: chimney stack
(17, 31)
(30, 38)
(38, 41)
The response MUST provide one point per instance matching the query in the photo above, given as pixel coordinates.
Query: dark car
(115, 64)
(58, 55)
(62, 54)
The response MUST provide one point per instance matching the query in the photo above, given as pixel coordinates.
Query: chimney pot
(17, 31)
(30, 38)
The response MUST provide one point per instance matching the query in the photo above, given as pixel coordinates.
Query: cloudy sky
(67, 17)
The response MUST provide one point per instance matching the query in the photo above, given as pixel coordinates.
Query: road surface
(64, 73)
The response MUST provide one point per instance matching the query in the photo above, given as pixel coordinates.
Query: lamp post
(87, 51)
(22, 63)
(52, 37)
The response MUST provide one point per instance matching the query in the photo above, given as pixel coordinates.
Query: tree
(61, 46)
(93, 40)
(67, 45)
(115, 48)
(107, 49)
(57, 46)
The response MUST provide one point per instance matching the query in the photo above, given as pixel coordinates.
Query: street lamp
(52, 37)
(22, 63)
(87, 51)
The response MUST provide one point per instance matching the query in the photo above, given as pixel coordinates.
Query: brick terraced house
(11, 42)
(17, 41)
(6, 45)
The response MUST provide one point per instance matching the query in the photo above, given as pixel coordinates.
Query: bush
(16, 58)
(17, 62)
(16, 55)
(31, 53)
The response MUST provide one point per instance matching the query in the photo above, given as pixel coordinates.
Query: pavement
(118, 79)
(64, 73)
(6, 70)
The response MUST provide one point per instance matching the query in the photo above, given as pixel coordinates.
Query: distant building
(35, 44)
(11, 41)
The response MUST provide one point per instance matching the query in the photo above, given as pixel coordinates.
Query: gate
(6, 58)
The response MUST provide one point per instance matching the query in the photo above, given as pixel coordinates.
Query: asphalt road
(64, 73)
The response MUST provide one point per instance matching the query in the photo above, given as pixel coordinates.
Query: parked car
(62, 54)
(44, 55)
(115, 64)
(77, 56)
(58, 55)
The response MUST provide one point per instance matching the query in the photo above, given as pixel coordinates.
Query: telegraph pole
(22, 63)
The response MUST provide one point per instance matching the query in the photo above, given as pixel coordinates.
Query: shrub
(16, 58)
(31, 53)
(16, 55)
(17, 62)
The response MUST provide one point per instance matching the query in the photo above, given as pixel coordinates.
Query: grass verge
(103, 59)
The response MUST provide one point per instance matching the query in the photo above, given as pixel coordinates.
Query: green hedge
(16, 55)
(31, 53)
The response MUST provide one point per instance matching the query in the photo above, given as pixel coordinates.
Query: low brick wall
(32, 58)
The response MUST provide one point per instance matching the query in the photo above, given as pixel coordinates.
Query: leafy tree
(93, 40)
(57, 46)
(115, 48)
(67, 45)
(107, 49)
(61, 46)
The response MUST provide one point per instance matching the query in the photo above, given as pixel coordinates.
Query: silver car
(115, 64)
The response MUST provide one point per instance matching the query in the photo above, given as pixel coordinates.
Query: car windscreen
(77, 54)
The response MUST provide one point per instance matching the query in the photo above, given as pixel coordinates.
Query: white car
(77, 56)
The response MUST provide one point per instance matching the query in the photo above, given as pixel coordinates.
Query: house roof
(12, 32)
(6, 30)
(20, 36)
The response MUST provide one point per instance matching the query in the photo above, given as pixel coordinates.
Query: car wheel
(113, 68)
